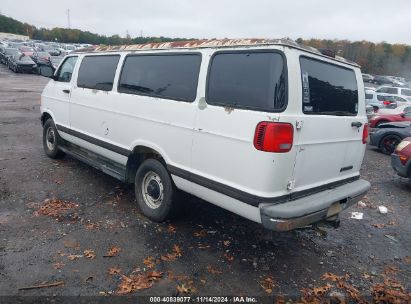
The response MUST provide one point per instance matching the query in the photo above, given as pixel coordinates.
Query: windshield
(12, 51)
(328, 89)
(26, 49)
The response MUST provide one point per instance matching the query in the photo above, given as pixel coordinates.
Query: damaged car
(388, 135)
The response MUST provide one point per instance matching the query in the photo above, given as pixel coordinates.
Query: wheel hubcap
(153, 190)
(50, 138)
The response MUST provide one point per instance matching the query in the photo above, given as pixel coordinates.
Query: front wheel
(155, 191)
(51, 139)
(389, 143)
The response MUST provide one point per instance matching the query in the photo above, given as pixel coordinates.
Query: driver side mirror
(46, 71)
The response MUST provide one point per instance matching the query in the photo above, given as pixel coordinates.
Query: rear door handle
(356, 124)
(66, 91)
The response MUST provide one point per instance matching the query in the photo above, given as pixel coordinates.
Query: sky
(372, 20)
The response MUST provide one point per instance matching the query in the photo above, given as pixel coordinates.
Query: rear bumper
(313, 208)
(402, 170)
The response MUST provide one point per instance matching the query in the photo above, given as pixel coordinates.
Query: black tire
(389, 143)
(158, 200)
(51, 140)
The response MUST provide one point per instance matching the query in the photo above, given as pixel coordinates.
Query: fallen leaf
(177, 250)
(149, 262)
(58, 265)
(332, 277)
(112, 252)
(228, 257)
(113, 270)
(155, 275)
(73, 257)
(226, 243)
(91, 226)
(171, 229)
(201, 233)
(321, 290)
(213, 270)
(88, 253)
(268, 284)
(58, 182)
(186, 288)
(169, 257)
(55, 208)
(131, 283)
(381, 225)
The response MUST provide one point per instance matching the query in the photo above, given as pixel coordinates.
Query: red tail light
(274, 137)
(386, 102)
(365, 133)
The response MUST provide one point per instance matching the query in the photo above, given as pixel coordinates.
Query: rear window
(250, 80)
(406, 92)
(385, 98)
(97, 72)
(166, 76)
(328, 89)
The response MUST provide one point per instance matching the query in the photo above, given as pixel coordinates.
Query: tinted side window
(97, 72)
(66, 70)
(385, 98)
(251, 80)
(167, 76)
(368, 96)
(382, 90)
(328, 89)
(392, 91)
(406, 92)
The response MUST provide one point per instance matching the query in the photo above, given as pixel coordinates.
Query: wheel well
(44, 118)
(140, 154)
(387, 135)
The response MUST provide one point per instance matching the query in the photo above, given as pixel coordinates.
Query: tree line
(375, 58)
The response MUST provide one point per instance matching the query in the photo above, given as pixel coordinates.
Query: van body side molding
(94, 141)
(250, 198)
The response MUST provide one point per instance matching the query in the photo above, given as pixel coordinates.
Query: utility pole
(68, 18)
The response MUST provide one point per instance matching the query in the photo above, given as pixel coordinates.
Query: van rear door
(329, 138)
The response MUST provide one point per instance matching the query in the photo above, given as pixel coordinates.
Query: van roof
(212, 43)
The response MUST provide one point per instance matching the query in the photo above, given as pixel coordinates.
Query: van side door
(59, 92)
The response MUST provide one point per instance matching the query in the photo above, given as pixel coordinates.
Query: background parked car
(367, 78)
(26, 50)
(50, 49)
(402, 92)
(8, 53)
(379, 119)
(382, 80)
(21, 63)
(401, 159)
(379, 100)
(387, 136)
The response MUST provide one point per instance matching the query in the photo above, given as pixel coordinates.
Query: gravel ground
(206, 251)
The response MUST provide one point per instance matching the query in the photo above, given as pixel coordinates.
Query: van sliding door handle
(356, 124)
(66, 91)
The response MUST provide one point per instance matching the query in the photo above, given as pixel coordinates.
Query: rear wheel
(155, 191)
(389, 143)
(51, 139)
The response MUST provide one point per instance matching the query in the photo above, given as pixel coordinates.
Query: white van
(267, 129)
